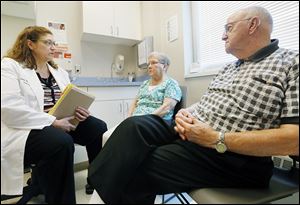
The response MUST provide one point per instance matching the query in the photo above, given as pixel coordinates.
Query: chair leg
(164, 201)
(182, 198)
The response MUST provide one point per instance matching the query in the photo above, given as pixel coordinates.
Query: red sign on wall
(67, 55)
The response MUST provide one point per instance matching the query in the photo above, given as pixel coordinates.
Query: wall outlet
(77, 69)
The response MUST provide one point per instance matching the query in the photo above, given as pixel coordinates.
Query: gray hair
(262, 13)
(161, 57)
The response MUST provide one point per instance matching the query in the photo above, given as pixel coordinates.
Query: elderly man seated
(249, 113)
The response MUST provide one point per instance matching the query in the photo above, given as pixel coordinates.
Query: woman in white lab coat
(31, 83)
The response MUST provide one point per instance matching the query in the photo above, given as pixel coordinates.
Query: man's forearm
(280, 141)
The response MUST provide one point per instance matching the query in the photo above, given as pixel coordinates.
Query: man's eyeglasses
(228, 27)
(49, 43)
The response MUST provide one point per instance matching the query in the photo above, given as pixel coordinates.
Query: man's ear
(254, 24)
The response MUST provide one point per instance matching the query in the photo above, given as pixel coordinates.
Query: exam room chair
(182, 102)
(284, 183)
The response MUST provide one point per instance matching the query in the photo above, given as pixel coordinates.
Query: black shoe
(88, 189)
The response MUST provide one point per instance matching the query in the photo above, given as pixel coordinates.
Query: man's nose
(224, 36)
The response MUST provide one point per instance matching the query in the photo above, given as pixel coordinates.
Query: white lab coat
(22, 104)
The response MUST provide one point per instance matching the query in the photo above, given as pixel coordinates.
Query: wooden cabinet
(112, 103)
(98, 17)
(128, 20)
(126, 106)
(110, 111)
(20, 9)
(106, 21)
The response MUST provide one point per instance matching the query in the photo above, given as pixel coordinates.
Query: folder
(72, 97)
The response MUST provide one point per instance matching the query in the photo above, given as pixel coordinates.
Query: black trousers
(52, 149)
(145, 157)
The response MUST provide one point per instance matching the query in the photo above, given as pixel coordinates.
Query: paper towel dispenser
(145, 47)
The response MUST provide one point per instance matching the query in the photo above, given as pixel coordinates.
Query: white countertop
(105, 82)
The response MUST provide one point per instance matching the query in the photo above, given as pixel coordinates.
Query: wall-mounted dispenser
(118, 64)
(145, 47)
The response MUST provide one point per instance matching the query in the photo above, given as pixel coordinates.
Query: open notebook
(71, 98)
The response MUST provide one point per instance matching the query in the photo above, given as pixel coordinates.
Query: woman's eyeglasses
(153, 63)
(49, 43)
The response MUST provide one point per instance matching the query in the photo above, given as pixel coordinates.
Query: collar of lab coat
(35, 84)
(61, 79)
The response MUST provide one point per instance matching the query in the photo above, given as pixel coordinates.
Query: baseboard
(81, 166)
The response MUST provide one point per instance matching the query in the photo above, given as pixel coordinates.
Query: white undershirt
(151, 87)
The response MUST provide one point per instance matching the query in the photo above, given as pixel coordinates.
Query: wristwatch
(220, 145)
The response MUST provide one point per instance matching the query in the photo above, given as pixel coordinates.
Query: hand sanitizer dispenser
(118, 64)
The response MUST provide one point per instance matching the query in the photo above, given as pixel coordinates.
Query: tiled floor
(80, 182)
(81, 197)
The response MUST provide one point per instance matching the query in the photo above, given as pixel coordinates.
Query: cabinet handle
(120, 107)
(111, 30)
(117, 30)
(127, 106)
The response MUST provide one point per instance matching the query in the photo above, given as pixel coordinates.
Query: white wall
(155, 15)
(95, 58)
(10, 28)
(150, 12)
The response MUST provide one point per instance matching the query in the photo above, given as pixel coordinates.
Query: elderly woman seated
(158, 95)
